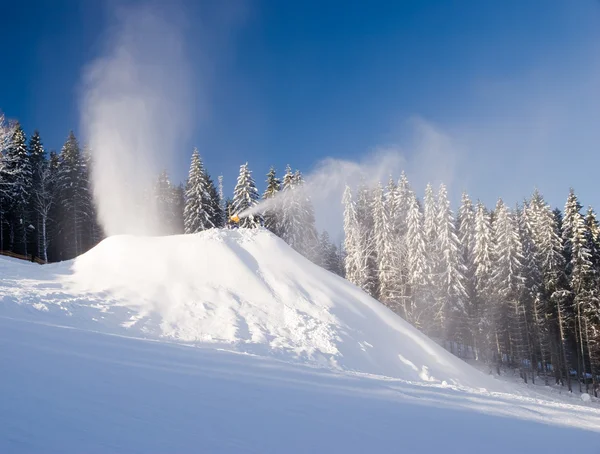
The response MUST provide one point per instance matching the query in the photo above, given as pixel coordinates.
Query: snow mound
(245, 290)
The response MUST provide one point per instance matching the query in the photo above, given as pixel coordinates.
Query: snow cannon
(235, 218)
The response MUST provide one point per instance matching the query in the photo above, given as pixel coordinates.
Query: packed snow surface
(229, 341)
(241, 289)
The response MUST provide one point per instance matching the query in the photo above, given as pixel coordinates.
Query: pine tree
(364, 219)
(450, 301)
(73, 192)
(591, 310)
(217, 216)
(308, 231)
(432, 253)
(382, 245)
(17, 175)
(41, 199)
(580, 272)
(509, 316)
(290, 225)
(245, 196)
(198, 208)
(483, 274)
(352, 259)
(272, 214)
(466, 236)
(416, 261)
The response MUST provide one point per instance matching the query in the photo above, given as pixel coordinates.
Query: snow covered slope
(69, 391)
(77, 378)
(242, 289)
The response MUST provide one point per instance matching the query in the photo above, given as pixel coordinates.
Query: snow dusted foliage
(591, 310)
(382, 244)
(291, 218)
(368, 260)
(578, 239)
(449, 310)
(245, 196)
(351, 243)
(295, 217)
(466, 236)
(483, 274)
(307, 232)
(329, 256)
(198, 213)
(509, 282)
(16, 182)
(272, 215)
(417, 271)
(217, 214)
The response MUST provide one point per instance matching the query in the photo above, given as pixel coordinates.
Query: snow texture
(304, 361)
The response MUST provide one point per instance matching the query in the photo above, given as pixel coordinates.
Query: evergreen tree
(591, 310)
(364, 219)
(17, 175)
(581, 274)
(329, 255)
(290, 226)
(216, 206)
(352, 257)
(509, 316)
(382, 245)
(466, 236)
(450, 301)
(41, 198)
(272, 214)
(75, 207)
(198, 208)
(416, 262)
(245, 196)
(483, 276)
(308, 231)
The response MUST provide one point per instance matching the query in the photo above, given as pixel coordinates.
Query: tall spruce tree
(245, 196)
(217, 214)
(18, 178)
(40, 195)
(416, 262)
(509, 314)
(272, 214)
(450, 301)
(198, 207)
(580, 272)
(466, 236)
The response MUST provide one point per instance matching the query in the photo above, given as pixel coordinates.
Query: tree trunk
(581, 347)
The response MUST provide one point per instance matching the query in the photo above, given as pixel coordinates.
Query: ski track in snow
(230, 341)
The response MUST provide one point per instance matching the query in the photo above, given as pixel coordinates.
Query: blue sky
(491, 97)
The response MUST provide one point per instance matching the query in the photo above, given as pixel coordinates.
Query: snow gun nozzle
(235, 218)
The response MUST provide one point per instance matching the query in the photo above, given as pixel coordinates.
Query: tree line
(517, 286)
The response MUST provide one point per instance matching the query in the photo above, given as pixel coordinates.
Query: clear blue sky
(507, 93)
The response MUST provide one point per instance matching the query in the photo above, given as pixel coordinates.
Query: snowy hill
(123, 378)
(243, 289)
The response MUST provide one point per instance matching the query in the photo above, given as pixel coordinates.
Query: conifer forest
(515, 286)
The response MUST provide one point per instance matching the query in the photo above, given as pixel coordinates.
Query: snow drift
(245, 290)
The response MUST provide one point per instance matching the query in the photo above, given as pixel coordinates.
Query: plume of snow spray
(430, 156)
(134, 113)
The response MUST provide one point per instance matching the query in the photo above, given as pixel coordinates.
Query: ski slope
(230, 341)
